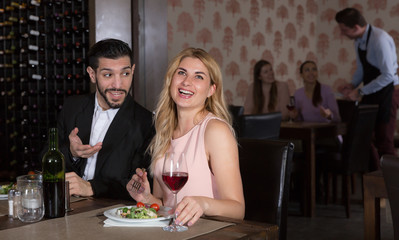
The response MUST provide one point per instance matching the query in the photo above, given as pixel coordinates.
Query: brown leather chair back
(260, 126)
(390, 171)
(265, 170)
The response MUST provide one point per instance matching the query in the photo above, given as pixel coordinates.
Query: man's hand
(354, 95)
(78, 186)
(78, 149)
(345, 89)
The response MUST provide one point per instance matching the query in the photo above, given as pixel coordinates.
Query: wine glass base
(175, 228)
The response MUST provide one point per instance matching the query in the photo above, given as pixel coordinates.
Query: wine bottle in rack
(77, 45)
(58, 17)
(35, 63)
(36, 77)
(57, 77)
(78, 77)
(58, 62)
(66, 31)
(69, 77)
(34, 18)
(36, 33)
(79, 61)
(58, 31)
(35, 3)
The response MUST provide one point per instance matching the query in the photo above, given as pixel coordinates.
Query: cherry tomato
(155, 206)
(140, 204)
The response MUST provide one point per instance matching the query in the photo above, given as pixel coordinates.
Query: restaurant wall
(285, 32)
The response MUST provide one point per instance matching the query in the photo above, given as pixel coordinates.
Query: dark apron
(382, 97)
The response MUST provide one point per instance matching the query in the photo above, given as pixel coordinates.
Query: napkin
(3, 197)
(112, 223)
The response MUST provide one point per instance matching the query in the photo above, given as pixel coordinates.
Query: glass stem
(175, 206)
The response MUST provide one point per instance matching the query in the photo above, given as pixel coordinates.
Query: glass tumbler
(31, 204)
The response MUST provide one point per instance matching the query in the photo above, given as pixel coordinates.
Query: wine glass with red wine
(291, 106)
(175, 176)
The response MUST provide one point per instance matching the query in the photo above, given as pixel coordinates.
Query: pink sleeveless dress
(200, 179)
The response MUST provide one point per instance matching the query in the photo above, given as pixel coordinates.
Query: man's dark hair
(350, 17)
(109, 48)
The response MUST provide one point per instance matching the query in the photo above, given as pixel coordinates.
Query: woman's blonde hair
(165, 119)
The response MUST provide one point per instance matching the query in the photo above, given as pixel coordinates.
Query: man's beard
(104, 95)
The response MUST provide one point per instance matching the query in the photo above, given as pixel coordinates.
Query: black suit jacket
(123, 148)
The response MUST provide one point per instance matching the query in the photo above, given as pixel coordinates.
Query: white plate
(111, 214)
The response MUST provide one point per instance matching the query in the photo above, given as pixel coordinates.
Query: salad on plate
(4, 190)
(140, 211)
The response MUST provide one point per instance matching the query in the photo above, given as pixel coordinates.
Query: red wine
(176, 181)
(290, 107)
(54, 196)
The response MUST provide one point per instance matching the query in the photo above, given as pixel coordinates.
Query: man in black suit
(104, 135)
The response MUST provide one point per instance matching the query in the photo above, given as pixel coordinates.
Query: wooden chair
(265, 170)
(354, 156)
(390, 171)
(260, 126)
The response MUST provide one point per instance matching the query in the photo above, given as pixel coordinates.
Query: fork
(136, 185)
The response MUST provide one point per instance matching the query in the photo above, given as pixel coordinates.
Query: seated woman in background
(192, 117)
(266, 94)
(315, 102)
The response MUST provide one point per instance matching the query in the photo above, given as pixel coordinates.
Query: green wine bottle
(53, 166)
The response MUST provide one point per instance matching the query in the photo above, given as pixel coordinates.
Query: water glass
(31, 204)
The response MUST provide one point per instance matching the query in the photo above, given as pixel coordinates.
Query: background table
(309, 133)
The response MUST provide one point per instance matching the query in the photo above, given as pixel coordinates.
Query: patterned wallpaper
(285, 32)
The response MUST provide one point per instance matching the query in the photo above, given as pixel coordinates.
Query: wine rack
(43, 46)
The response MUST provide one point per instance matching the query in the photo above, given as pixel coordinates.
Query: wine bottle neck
(53, 139)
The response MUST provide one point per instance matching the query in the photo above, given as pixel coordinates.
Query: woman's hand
(189, 210)
(293, 113)
(326, 113)
(143, 194)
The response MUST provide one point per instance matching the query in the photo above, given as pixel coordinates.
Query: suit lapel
(84, 119)
(83, 123)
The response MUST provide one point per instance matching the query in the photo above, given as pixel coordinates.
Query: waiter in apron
(377, 69)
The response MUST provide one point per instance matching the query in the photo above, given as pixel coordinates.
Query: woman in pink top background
(192, 117)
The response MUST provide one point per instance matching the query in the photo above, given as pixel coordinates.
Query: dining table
(308, 133)
(86, 221)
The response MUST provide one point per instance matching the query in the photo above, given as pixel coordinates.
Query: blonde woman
(191, 115)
